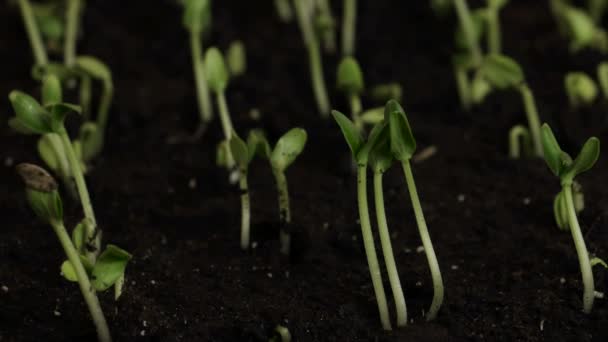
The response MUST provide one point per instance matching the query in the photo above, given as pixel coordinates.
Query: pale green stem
(355, 109)
(226, 125)
(466, 22)
(284, 10)
(33, 32)
(205, 110)
(370, 248)
(581, 250)
(71, 30)
(104, 106)
(314, 57)
(284, 212)
(519, 140)
(245, 210)
(88, 292)
(494, 37)
(426, 243)
(387, 250)
(329, 35)
(349, 19)
(464, 92)
(533, 119)
(93, 232)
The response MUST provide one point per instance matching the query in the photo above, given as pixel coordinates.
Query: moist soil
(509, 273)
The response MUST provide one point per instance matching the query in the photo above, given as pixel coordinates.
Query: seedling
(360, 151)
(33, 32)
(602, 76)
(326, 26)
(236, 59)
(349, 20)
(305, 14)
(581, 89)
(284, 10)
(218, 81)
(197, 20)
(403, 146)
(281, 334)
(72, 15)
(470, 32)
(243, 155)
(501, 72)
(32, 118)
(44, 199)
(579, 27)
(285, 152)
(493, 20)
(566, 168)
(520, 143)
(49, 17)
(350, 82)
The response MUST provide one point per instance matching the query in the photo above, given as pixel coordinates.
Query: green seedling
(373, 116)
(403, 146)
(566, 168)
(305, 14)
(520, 144)
(326, 26)
(579, 27)
(350, 82)
(502, 73)
(33, 118)
(284, 10)
(560, 208)
(281, 334)
(386, 91)
(360, 151)
(44, 199)
(349, 21)
(493, 20)
(285, 152)
(218, 81)
(236, 58)
(197, 20)
(470, 32)
(243, 153)
(580, 88)
(72, 17)
(33, 32)
(602, 76)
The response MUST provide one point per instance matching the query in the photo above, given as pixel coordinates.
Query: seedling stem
(33, 32)
(349, 27)
(389, 259)
(533, 119)
(284, 212)
(494, 38)
(426, 242)
(466, 22)
(226, 124)
(71, 28)
(245, 210)
(205, 109)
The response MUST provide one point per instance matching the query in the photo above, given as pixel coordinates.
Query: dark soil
(510, 274)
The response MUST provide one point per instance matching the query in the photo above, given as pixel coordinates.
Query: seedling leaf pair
(560, 162)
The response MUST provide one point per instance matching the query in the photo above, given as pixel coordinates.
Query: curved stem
(88, 292)
(33, 32)
(466, 22)
(349, 27)
(370, 248)
(104, 106)
(426, 242)
(284, 210)
(205, 110)
(93, 232)
(519, 140)
(581, 250)
(245, 210)
(71, 28)
(533, 118)
(226, 125)
(387, 250)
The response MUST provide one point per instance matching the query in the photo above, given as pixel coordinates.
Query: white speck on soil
(286, 274)
(192, 183)
(4, 288)
(254, 245)
(526, 200)
(142, 333)
(8, 162)
(56, 313)
(542, 325)
(455, 267)
(354, 237)
(145, 324)
(562, 280)
(325, 225)
(418, 283)
(269, 275)
(407, 250)
(419, 249)
(153, 282)
(461, 198)
(598, 294)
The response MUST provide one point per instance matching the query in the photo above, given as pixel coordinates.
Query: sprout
(579, 27)
(602, 76)
(304, 12)
(285, 152)
(44, 199)
(349, 18)
(281, 334)
(32, 118)
(493, 20)
(403, 146)
(197, 20)
(470, 31)
(33, 32)
(385, 92)
(326, 27)
(566, 168)
(72, 16)
(236, 58)
(350, 82)
(519, 142)
(502, 72)
(284, 10)
(581, 89)
(218, 81)
(360, 151)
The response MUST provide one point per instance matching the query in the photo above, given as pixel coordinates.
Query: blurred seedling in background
(566, 202)
(236, 59)
(325, 25)
(350, 82)
(44, 199)
(580, 27)
(284, 10)
(580, 88)
(349, 27)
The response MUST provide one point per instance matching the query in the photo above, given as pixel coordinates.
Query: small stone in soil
(153, 282)
(419, 249)
(562, 280)
(8, 162)
(454, 267)
(192, 183)
(254, 245)
(4, 288)
(461, 198)
(407, 250)
(56, 313)
(418, 283)
(527, 200)
(269, 275)
(142, 333)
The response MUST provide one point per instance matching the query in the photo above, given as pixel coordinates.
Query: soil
(509, 273)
